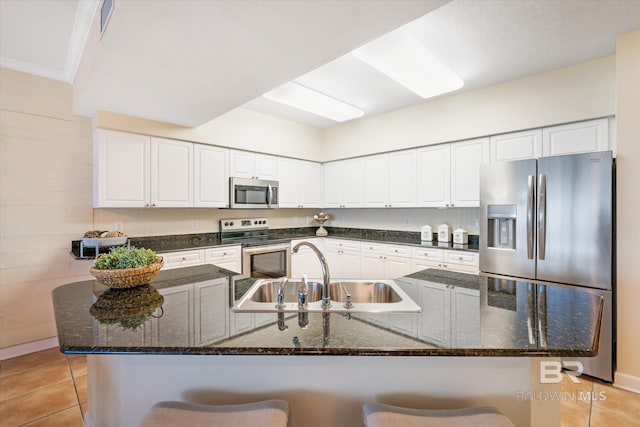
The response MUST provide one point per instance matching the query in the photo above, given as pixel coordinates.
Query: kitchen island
(195, 348)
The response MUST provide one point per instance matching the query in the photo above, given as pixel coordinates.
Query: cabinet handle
(224, 254)
(184, 258)
(460, 258)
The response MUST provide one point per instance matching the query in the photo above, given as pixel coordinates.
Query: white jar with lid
(444, 233)
(460, 236)
(426, 234)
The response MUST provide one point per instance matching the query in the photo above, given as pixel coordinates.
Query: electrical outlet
(296, 219)
(407, 221)
(309, 219)
(118, 226)
(194, 224)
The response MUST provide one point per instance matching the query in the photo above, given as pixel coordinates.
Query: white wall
(628, 208)
(242, 129)
(45, 200)
(579, 92)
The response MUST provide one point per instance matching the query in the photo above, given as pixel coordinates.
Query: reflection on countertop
(463, 315)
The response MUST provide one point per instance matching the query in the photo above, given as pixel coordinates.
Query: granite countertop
(181, 242)
(463, 315)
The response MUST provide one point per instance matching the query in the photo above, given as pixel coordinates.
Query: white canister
(426, 233)
(444, 233)
(460, 236)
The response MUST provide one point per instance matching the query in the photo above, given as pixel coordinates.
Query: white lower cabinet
(461, 261)
(211, 324)
(450, 315)
(182, 259)
(383, 261)
(305, 261)
(406, 323)
(343, 257)
(228, 257)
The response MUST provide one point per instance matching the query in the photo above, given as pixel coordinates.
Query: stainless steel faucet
(326, 302)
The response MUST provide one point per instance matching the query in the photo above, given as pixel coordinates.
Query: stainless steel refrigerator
(552, 220)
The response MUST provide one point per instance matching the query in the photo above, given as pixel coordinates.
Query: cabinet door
(211, 304)
(289, 183)
(516, 146)
(266, 167)
(353, 183)
(406, 323)
(372, 266)
(305, 261)
(582, 137)
(376, 178)
(465, 330)
(310, 187)
(175, 325)
(334, 184)
(211, 176)
(351, 264)
(462, 261)
(466, 158)
(171, 173)
(396, 267)
(403, 185)
(241, 164)
(434, 324)
(434, 176)
(121, 169)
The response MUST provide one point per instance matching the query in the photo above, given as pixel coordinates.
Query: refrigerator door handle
(530, 217)
(542, 215)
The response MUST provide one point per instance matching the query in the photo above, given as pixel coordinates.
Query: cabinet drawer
(182, 259)
(429, 254)
(459, 257)
(343, 244)
(384, 249)
(218, 254)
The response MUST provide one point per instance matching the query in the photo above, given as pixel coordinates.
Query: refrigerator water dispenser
(501, 226)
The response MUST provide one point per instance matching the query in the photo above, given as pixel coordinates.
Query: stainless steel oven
(267, 261)
(263, 256)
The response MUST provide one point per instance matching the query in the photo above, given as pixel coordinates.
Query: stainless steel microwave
(249, 193)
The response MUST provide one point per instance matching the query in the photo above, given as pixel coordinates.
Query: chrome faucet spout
(326, 301)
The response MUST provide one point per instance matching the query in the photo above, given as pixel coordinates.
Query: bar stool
(268, 413)
(379, 415)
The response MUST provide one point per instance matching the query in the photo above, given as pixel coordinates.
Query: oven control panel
(236, 224)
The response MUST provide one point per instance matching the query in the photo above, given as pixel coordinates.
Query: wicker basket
(127, 277)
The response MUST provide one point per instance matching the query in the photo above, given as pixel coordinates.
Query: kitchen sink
(267, 291)
(347, 296)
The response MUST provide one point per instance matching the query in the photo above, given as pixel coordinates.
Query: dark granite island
(502, 329)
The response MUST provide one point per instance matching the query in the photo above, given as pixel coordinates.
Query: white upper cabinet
(466, 158)
(171, 173)
(300, 183)
(344, 183)
(581, 137)
(434, 176)
(245, 164)
(121, 169)
(516, 146)
(211, 176)
(449, 174)
(390, 179)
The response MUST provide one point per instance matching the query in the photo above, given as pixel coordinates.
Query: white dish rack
(102, 242)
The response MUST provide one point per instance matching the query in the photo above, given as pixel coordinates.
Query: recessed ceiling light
(301, 97)
(401, 57)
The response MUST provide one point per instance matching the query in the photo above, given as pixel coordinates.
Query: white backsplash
(408, 219)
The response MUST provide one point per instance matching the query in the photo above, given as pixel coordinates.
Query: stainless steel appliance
(263, 256)
(552, 220)
(249, 193)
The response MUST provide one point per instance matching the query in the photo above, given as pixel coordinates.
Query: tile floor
(49, 388)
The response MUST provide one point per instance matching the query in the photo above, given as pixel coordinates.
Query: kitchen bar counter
(207, 240)
(463, 315)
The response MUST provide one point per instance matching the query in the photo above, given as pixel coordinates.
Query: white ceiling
(188, 62)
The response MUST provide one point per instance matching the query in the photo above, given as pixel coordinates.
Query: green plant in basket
(124, 257)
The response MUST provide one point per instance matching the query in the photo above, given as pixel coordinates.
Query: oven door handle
(266, 248)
